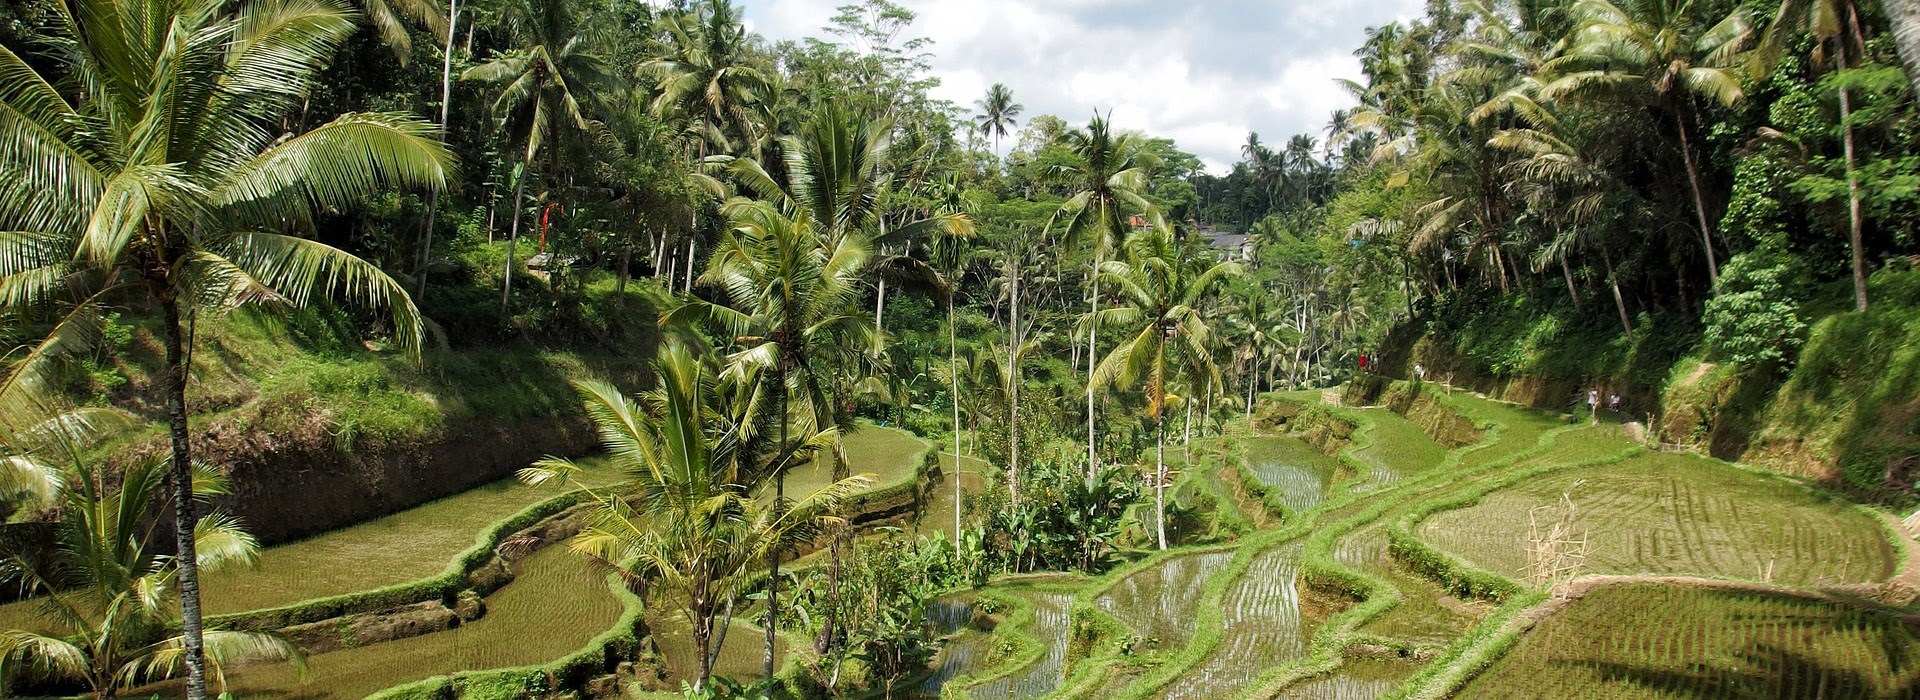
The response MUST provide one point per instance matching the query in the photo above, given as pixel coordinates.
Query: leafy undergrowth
(1654, 642)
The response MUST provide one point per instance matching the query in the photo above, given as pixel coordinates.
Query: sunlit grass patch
(1399, 449)
(1675, 514)
(1657, 642)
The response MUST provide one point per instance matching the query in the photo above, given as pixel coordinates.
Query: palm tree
(997, 115)
(1111, 183)
(1659, 53)
(544, 85)
(686, 521)
(155, 175)
(708, 75)
(1836, 26)
(108, 601)
(390, 19)
(1164, 283)
(791, 311)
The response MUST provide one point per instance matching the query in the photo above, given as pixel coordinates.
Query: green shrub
(1753, 320)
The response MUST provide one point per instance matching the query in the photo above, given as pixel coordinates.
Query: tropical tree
(686, 521)
(707, 73)
(391, 20)
(1658, 53)
(544, 85)
(107, 601)
(159, 172)
(1110, 184)
(1836, 27)
(1164, 285)
(790, 309)
(998, 114)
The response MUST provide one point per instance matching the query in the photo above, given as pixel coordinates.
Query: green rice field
(1648, 642)
(557, 604)
(1676, 514)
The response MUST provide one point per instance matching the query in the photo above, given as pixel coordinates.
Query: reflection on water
(1262, 628)
(1298, 471)
(1050, 626)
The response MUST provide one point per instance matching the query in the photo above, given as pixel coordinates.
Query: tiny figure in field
(1613, 402)
(1593, 404)
(1419, 372)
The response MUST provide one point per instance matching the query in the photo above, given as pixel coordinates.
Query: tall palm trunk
(1619, 303)
(1160, 476)
(779, 499)
(1093, 352)
(1566, 273)
(1013, 393)
(186, 561)
(1699, 200)
(513, 235)
(1854, 215)
(446, 93)
(953, 362)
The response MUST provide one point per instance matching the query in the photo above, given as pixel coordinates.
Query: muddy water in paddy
(1160, 602)
(1263, 628)
(1357, 679)
(1050, 626)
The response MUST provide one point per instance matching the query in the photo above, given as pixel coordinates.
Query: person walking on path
(1593, 404)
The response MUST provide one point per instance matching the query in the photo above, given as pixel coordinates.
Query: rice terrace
(959, 349)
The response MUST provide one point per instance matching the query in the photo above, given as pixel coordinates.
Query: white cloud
(1203, 72)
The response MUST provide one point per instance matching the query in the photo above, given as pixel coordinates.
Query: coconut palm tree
(157, 172)
(393, 21)
(1111, 184)
(708, 75)
(545, 84)
(998, 114)
(686, 521)
(1836, 26)
(789, 305)
(1657, 53)
(1164, 284)
(108, 603)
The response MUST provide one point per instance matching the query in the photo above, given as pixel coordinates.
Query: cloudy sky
(1203, 72)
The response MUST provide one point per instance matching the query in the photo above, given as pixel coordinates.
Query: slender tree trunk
(186, 559)
(1699, 199)
(779, 504)
(1572, 292)
(953, 363)
(446, 95)
(1013, 393)
(1619, 303)
(702, 642)
(1093, 354)
(1186, 439)
(1160, 477)
(1854, 215)
(513, 237)
(688, 289)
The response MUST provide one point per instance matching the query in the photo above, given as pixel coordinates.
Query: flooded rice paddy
(1299, 472)
(1263, 627)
